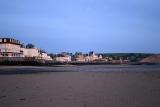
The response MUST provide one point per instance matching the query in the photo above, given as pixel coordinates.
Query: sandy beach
(80, 86)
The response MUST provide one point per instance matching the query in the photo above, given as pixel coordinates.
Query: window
(5, 40)
(21, 51)
(0, 40)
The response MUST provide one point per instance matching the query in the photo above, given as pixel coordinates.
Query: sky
(110, 26)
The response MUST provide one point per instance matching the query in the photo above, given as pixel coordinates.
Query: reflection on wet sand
(92, 86)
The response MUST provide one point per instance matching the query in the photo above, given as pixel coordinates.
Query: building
(36, 53)
(30, 52)
(79, 57)
(63, 57)
(13, 48)
(92, 57)
(45, 56)
(10, 48)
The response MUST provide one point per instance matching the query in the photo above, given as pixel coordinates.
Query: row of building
(78, 57)
(14, 48)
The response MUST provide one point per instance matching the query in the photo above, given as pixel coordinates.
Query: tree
(52, 55)
(22, 45)
(42, 51)
(29, 46)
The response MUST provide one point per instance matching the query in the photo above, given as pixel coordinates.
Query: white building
(45, 56)
(35, 52)
(30, 52)
(61, 58)
(10, 48)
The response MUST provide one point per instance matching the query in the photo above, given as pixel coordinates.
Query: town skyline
(14, 50)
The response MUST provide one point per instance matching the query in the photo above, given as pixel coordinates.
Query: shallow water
(85, 68)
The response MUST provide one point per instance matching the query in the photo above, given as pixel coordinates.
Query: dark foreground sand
(92, 86)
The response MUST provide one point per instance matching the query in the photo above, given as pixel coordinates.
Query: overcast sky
(83, 25)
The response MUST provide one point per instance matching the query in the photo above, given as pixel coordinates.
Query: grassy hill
(151, 59)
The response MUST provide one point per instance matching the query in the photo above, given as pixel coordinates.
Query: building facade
(45, 56)
(30, 52)
(10, 48)
(63, 57)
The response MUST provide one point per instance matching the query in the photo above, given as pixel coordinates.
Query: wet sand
(80, 86)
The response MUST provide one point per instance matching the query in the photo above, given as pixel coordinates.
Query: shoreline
(11, 70)
(43, 63)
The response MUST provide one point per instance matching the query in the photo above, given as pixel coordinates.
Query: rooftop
(9, 40)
